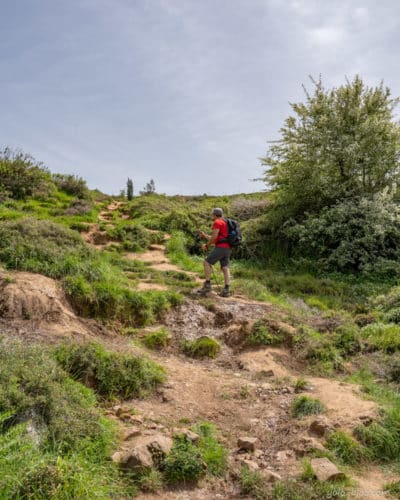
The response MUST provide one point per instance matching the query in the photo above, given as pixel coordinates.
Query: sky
(186, 92)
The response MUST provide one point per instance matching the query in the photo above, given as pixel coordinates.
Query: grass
(346, 449)
(252, 483)
(214, 455)
(157, 340)
(305, 405)
(261, 335)
(110, 374)
(393, 488)
(385, 337)
(54, 443)
(184, 464)
(203, 347)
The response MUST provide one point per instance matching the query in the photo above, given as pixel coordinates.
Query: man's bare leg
(207, 270)
(227, 275)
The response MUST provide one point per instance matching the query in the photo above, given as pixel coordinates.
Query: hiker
(220, 253)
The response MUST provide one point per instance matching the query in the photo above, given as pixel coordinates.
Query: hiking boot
(225, 293)
(206, 288)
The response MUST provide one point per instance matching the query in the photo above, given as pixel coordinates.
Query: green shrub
(53, 441)
(252, 483)
(22, 176)
(300, 385)
(304, 405)
(293, 489)
(203, 347)
(157, 340)
(109, 373)
(261, 335)
(214, 455)
(345, 448)
(134, 236)
(184, 463)
(381, 336)
(71, 184)
(151, 481)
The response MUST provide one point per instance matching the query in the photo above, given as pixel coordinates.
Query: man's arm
(211, 239)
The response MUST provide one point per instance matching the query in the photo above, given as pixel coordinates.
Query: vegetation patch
(109, 373)
(385, 337)
(53, 441)
(203, 347)
(253, 483)
(214, 455)
(184, 464)
(346, 448)
(158, 339)
(261, 335)
(305, 405)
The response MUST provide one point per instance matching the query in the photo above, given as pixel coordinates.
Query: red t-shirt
(223, 233)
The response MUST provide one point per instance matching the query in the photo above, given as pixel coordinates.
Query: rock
(124, 416)
(190, 435)
(271, 476)
(325, 470)
(160, 444)
(267, 373)
(117, 456)
(250, 464)
(247, 443)
(283, 455)
(320, 426)
(137, 459)
(131, 433)
(306, 444)
(258, 453)
(138, 419)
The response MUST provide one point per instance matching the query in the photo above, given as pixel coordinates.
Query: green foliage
(133, 236)
(252, 483)
(53, 441)
(129, 189)
(382, 336)
(359, 234)
(305, 405)
(214, 455)
(201, 348)
(149, 189)
(340, 144)
(393, 488)
(71, 184)
(151, 482)
(22, 176)
(110, 373)
(158, 339)
(184, 463)
(346, 449)
(300, 385)
(261, 335)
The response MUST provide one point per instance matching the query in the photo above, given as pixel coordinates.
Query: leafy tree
(71, 184)
(22, 176)
(129, 189)
(340, 143)
(150, 188)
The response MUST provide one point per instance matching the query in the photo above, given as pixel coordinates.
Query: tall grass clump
(54, 443)
(109, 373)
(304, 405)
(384, 337)
(214, 455)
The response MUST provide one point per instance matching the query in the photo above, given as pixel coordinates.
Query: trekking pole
(216, 280)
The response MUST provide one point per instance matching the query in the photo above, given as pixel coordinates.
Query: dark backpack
(234, 234)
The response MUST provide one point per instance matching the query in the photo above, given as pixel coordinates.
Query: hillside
(118, 380)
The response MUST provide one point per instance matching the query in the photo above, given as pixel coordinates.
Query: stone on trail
(320, 426)
(131, 433)
(325, 470)
(250, 464)
(271, 477)
(247, 443)
(137, 459)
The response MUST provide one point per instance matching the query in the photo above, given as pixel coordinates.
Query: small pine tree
(129, 189)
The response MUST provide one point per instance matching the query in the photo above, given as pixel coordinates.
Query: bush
(260, 335)
(134, 236)
(201, 348)
(157, 340)
(71, 184)
(184, 463)
(109, 373)
(79, 207)
(393, 488)
(151, 482)
(346, 449)
(357, 235)
(304, 405)
(21, 176)
(381, 336)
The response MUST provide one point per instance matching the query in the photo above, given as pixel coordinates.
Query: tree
(129, 189)
(150, 188)
(340, 143)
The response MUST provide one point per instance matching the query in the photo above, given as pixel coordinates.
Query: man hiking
(220, 253)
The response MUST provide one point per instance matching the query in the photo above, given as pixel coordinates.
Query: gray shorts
(220, 254)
